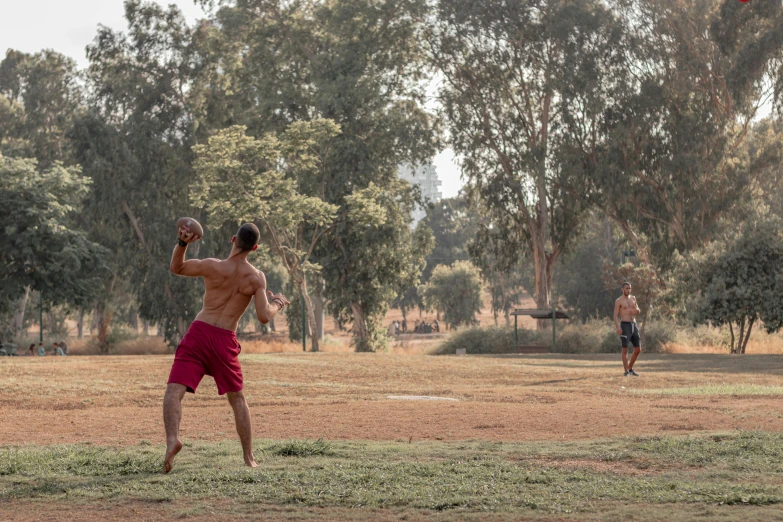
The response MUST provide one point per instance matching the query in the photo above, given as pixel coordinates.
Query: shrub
(594, 336)
(489, 340)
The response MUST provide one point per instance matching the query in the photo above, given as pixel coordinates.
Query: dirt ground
(114, 400)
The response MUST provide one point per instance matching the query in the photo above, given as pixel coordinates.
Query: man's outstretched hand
(278, 298)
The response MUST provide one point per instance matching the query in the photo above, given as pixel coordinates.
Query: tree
(39, 248)
(375, 255)
(737, 281)
(357, 62)
(242, 179)
(580, 279)
(456, 290)
(452, 225)
(526, 86)
(673, 163)
(134, 142)
(40, 95)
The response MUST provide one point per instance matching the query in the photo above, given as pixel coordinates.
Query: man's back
(230, 285)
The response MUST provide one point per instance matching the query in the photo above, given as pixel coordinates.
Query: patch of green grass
(740, 468)
(712, 389)
(300, 448)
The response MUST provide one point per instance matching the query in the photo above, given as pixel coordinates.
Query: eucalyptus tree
(525, 89)
(134, 143)
(675, 162)
(40, 95)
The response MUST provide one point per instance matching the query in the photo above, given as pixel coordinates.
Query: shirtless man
(627, 308)
(210, 346)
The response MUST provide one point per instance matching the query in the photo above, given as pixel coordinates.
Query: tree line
(570, 117)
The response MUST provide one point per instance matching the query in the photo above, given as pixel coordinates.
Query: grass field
(540, 437)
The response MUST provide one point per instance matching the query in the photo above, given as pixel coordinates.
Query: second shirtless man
(627, 308)
(210, 345)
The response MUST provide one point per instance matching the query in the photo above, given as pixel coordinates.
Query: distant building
(426, 177)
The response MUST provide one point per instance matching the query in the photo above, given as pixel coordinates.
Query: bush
(659, 333)
(489, 340)
(594, 336)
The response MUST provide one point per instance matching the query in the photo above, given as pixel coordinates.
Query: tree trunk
(301, 283)
(103, 318)
(731, 330)
(318, 310)
(544, 266)
(508, 316)
(80, 324)
(94, 318)
(747, 336)
(272, 325)
(134, 321)
(146, 327)
(360, 325)
(18, 322)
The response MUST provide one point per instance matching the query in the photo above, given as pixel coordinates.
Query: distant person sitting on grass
(64, 347)
(210, 345)
(31, 350)
(56, 350)
(41, 350)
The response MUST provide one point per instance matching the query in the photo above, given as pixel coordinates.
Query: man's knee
(175, 391)
(637, 350)
(235, 398)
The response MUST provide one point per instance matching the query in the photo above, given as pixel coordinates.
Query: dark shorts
(207, 350)
(630, 333)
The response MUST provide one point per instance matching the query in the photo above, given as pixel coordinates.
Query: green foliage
(579, 281)
(300, 448)
(376, 254)
(528, 87)
(673, 160)
(737, 281)
(38, 245)
(40, 95)
(360, 64)
(243, 179)
(592, 336)
(455, 290)
(485, 340)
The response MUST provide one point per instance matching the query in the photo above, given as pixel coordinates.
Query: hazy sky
(67, 26)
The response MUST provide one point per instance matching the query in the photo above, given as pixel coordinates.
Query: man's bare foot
(251, 461)
(171, 452)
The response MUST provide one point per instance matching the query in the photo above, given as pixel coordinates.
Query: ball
(191, 226)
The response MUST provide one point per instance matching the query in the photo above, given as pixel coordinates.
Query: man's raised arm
(190, 267)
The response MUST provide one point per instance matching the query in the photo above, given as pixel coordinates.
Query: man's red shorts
(207, 350)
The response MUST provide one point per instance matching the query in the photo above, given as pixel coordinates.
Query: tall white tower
(426, 177)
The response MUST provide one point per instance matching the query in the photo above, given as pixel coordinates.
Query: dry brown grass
(760, 343)
(117, 400)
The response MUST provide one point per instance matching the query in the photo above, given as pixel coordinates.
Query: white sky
(67, 26)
